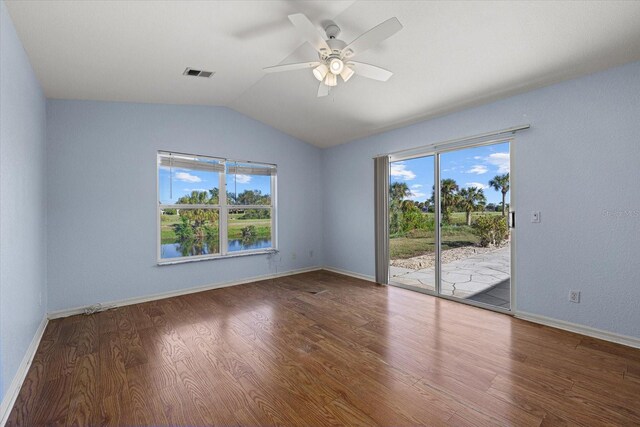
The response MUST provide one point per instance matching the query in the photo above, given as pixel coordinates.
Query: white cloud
(399, 169)
(243, 179)
(418, 194)
(478, 169)
(501, 160)
(189, 190)
(187, 177)
(478, 185)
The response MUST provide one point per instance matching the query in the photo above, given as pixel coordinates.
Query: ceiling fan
(335, 56)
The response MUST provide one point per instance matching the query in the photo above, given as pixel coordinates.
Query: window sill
(212, 257)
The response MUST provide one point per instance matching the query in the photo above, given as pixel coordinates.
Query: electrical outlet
(535, 216)
(574, 296)
(310, 254)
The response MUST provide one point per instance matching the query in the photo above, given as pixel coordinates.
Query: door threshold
(454, 299)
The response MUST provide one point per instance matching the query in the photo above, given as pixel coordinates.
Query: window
(210, 207)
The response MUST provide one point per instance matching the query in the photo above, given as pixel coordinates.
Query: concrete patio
(498, 295)
(465, 278)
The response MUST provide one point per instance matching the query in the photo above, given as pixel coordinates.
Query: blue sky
(185, 181)
(471, 167)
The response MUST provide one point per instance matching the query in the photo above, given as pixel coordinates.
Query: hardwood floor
(322, 349)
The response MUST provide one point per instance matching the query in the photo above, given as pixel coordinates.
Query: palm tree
(471, 199)
(195, 198)
(448, 197)
(399, 190)
(215, 195)
(200, 217)
(501, 183)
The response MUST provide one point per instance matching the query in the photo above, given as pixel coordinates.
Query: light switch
(535, 216)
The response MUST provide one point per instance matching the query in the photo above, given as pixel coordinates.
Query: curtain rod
(511, 130)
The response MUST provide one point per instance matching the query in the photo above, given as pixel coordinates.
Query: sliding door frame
(436, 151)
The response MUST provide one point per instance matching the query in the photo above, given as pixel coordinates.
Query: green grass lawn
(460, 218)
(422, 242)
(236, 224)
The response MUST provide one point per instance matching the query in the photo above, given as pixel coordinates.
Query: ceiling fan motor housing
(336, 49)
(332, 30)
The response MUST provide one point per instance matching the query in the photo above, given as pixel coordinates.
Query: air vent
(197, 73)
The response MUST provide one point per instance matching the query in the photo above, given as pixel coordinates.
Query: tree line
(200, 223)
(406, 214)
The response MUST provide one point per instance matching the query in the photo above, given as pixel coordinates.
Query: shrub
(249, 232)
(412, 218)
(256, 214)
(183, 229)
(491, 229)
(211, 232)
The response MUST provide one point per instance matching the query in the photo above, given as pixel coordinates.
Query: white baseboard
(580, 329)
(137, 300)
(15, 386)
(547, 321)
(350, 273)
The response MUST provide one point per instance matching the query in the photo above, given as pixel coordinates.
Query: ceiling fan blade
(309, 32)
(370, 71)
(291, 67)
(323, 90)
(372, 37)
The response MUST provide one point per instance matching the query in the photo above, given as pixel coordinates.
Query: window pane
(249, 229)
(188, 179)
(248, 184)
(412, 228)
(189, 232)
(475, 244)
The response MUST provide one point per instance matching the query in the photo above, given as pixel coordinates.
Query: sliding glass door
(412, 224)
(474, 199)
(453, 241)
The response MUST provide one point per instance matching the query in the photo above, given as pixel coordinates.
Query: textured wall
(580, 159)
(102, 233)
(22, 202)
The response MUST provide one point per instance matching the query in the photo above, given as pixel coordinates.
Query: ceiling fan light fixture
(331, 80)
(336, 66)
(320, 72)
(335, 56)
(347, 73)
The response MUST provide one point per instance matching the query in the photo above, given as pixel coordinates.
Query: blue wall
(88, 234)
(102, 202)
(580, 159)
(22, 202)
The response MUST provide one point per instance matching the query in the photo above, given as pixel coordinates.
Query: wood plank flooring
(322, 349)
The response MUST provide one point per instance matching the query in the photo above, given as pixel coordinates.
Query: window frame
(223, 212)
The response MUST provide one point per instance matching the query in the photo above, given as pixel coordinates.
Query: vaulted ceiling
(448, 56)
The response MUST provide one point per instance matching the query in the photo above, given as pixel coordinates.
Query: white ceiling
(449, 55)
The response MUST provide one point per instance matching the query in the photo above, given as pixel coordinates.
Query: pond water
(176, 250)
(242, 245)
